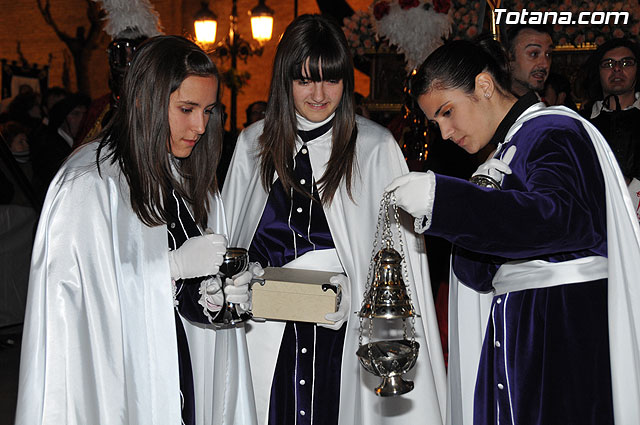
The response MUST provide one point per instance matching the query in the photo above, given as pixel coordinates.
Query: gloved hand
(342, 315)
(414, 192)
(496, 168)
(198, 256)
(212, 297)
(237, 289)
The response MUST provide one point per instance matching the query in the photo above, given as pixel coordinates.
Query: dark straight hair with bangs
(321, 42)
(138, 135)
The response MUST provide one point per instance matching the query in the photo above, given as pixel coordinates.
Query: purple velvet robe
(545, 357)
(306, 382)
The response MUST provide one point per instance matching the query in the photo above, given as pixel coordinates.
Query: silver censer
(387, 297)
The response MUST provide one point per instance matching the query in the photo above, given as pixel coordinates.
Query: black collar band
(310, 135)
(526, 101)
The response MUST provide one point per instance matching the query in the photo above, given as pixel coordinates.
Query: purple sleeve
(551, 207)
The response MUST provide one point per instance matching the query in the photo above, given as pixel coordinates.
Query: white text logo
(562, 18)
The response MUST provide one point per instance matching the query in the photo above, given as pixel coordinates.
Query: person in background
(361, 106)
(128, 23)
(614, 108)
(52, 144)
(303, 191)
(25, 108)
(23, 89)
(15, 136)
(557, 91)
(255, 112)
(124, 276)
(52, 96)
(120, 52)
(529, 48)
(545, 231)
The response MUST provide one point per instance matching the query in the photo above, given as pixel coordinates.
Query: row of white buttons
(497, 343)
(302, 181)
(302, 381)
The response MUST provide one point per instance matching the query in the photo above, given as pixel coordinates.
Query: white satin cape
(469, 310)
(99, 341)
(353, 227)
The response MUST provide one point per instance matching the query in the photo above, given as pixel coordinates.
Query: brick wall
(21, 21)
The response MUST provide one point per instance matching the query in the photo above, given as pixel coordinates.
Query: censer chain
(396, 216)
(381, 216)
(384, 220)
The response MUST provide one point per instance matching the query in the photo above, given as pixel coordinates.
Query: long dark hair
(138, 134)
(320, 41)
(456, 64)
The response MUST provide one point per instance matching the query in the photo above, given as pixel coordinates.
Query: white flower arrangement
(415, 27)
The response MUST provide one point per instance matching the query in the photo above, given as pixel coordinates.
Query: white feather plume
(130, 14)
(416, 32)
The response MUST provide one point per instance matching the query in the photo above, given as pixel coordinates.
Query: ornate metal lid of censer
(387, 298)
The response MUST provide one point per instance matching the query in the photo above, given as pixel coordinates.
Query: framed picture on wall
(15, 76)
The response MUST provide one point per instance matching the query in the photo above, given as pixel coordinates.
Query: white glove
(237, 289)
(415, 192)
(198, 256)
(212, 297)
(342, 315)
(497, 168)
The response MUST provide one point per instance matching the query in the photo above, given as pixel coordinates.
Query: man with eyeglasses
(614, 90)
(616, 64)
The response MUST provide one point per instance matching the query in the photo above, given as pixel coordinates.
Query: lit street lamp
(233, 45)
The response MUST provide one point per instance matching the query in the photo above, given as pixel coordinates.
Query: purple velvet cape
(551, 343)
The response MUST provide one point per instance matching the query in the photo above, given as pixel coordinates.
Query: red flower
(381, 9)
(441, 6)
(408, 4)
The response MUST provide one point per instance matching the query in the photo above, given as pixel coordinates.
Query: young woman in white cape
(124, 271)
(303, 191)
